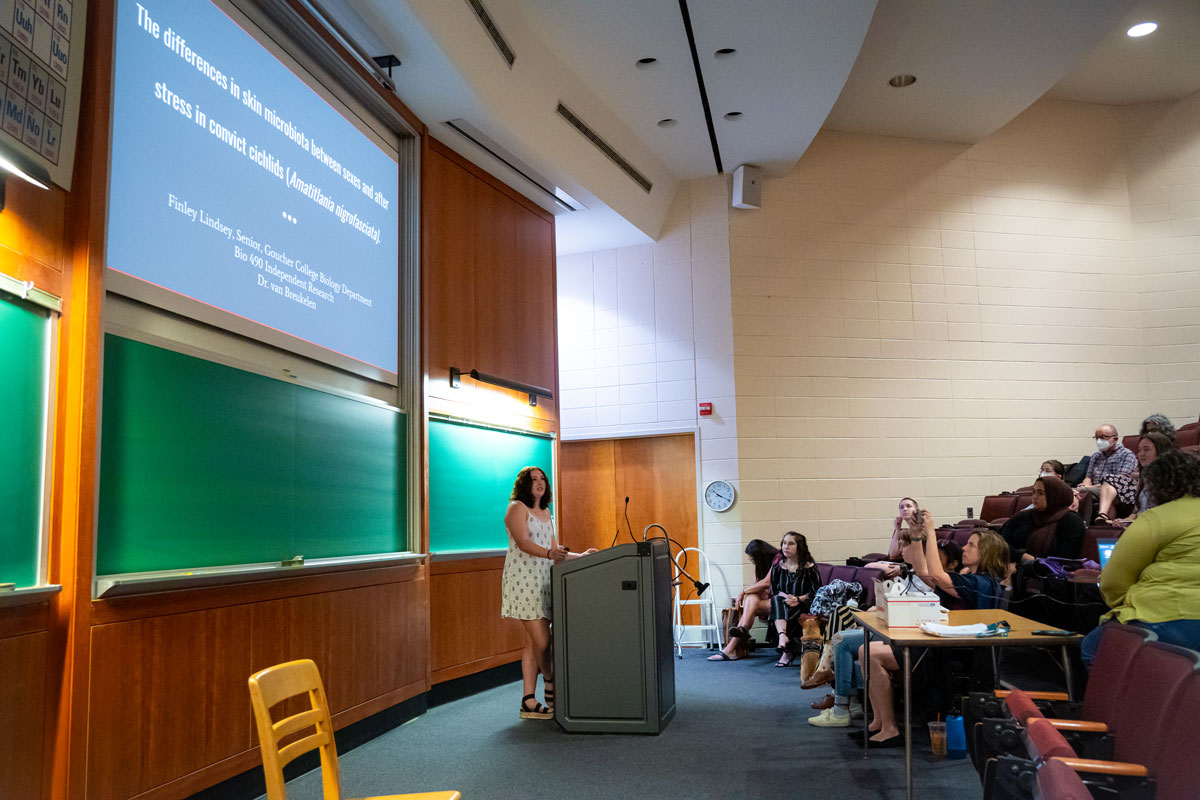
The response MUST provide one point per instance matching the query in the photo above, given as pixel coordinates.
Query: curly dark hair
(523, 487)
(803, 556)
(763, 555)
(1174, 474)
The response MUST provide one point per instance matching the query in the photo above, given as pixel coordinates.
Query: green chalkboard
(471, 474)
(204, 465)
(24, 383)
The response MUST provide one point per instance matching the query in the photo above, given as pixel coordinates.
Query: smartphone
(1054, 633)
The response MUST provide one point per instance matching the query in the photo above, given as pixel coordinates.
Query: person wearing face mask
(1049, 529)
(1110, 473)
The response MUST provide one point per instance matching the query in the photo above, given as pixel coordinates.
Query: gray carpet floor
(740, 731)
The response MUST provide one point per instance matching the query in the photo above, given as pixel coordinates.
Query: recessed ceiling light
(900, 81)
(642, 63)
(667, 123)
(1142, 29)
(724, 52)
(733, 115)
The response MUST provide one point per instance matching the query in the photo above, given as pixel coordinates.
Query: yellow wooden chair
(295, 678)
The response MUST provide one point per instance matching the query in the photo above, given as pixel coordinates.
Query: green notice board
(471, 474)
(203, 465)
(24, 383)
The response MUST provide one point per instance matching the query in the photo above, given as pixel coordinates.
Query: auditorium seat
(997, 505)
(993, 726)
(866, 576)
(1056, 781)
(1156, 738)
(1131, 441)
(1089, 549)
(1178, 767)
(1188, 435)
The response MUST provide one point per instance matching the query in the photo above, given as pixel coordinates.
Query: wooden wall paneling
(589, 511)
(536, 326)
(499, 348)
(467, 632)
(78, 389)
(448, 259)
(367, 642)
(168, 698)
(22, 714)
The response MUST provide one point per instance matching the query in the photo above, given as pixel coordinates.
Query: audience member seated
(1109, 476)
(1152, 579)
(846, 676)
(794, 581)
(1050, 528)
(753, 600)
(1150, 447)
(1158, 423)
(985, 557)
(891, 566)
(1052, 467)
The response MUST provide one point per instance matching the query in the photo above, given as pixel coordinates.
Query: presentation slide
(235, 184)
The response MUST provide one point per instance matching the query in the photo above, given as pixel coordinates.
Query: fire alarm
(706, 409)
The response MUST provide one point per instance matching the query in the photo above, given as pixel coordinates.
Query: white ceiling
(799, 65)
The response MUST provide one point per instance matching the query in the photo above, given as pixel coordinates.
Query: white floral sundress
(525, 587)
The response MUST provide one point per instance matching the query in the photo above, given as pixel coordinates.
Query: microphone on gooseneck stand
(629, 527)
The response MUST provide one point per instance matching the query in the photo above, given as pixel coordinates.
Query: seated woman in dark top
(1050, 528)
(794, 581)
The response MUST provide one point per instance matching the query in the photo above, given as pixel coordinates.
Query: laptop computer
(1105, 546)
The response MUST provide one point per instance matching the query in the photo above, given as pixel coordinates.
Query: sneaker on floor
(856, 710)
(831, 718)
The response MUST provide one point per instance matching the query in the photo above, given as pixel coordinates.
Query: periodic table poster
(41, 66)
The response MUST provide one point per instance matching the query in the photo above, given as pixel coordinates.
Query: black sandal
(538, 711)
(784, 648)
(548, 692)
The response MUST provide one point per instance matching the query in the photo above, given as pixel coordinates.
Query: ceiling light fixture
(724, 52)
(733, 115)
(667, 123)
(1142, 29)
(900, 81)
(642, 63)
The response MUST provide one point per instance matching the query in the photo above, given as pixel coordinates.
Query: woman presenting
(525, 587)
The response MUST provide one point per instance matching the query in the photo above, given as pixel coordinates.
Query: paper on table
(954, 631)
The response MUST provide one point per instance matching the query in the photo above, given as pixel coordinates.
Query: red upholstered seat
(1131, 441)
(1114, 657)
(1044, 742)
(997, 505)
(1089, 548)
(1057, 781)
(1140, 705)
(1177, 766)
(1188, 435)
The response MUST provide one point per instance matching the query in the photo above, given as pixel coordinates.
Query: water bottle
(956, 737)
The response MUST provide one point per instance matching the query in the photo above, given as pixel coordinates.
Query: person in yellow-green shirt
(1153, 577)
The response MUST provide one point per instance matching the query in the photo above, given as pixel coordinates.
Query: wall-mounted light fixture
(533, 391)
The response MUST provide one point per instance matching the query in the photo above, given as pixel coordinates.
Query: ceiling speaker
(747, 187)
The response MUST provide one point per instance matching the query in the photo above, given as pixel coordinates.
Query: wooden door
(656, 473)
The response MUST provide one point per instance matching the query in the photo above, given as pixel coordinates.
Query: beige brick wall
(1164, 195)
(934, 320)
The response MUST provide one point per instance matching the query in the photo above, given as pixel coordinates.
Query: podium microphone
(700, 586)
(629, 527)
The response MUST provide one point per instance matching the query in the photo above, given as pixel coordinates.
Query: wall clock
(719, 495)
